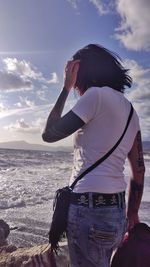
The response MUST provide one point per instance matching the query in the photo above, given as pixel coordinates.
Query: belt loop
(90, 200)
(123, 199)
(119, 201)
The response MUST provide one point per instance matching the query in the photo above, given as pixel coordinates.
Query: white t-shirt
(105, 112)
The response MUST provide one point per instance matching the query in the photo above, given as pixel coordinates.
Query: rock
(4, 232)
(37, 256)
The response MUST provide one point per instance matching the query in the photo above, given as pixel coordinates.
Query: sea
(28, 181)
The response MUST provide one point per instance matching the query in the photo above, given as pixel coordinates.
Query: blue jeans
(93, 234)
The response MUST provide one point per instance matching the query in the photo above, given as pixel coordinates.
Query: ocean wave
(7, 204)
(147, 156)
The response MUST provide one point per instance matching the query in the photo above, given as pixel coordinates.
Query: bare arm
(58, 127)
(136, 161)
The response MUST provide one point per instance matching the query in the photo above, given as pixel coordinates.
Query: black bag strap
(107, 154)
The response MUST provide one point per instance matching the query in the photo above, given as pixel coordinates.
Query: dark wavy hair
(100, 67)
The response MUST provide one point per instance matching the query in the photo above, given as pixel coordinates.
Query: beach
(29, 180)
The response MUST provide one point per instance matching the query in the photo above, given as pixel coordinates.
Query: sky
(37, 37)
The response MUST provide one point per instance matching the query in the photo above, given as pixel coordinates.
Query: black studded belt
(97, 200)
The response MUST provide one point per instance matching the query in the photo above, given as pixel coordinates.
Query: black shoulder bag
(62, 198)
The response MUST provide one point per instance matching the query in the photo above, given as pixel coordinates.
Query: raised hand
(70, 75)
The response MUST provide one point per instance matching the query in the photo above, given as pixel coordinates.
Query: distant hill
(23, 145)
(27, 146)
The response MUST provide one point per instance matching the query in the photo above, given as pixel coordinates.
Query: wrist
(66, 90)
(131, 213)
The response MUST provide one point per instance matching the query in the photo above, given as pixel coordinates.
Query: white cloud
(18, 105)
(24, 127)
(134, 31)
(10, 81)
(74, 3)
(102, 7)
(22, 124)
(22, 68)
(139, 94)
(27, 71)
(2, 107)
(25, 102)
(19, 125)
(29, 103)
(42, 93)
(54, 78)
(20, 75)
(141, 81)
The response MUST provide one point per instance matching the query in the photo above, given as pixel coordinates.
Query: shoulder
(93, 91)
(87, 105)
(92, 94)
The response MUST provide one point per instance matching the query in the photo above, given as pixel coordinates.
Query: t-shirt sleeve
(86, 106)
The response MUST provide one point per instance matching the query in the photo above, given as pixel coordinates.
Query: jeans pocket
(102, 235)
(100, 240)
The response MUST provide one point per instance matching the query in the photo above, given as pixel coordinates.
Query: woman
(97, 214)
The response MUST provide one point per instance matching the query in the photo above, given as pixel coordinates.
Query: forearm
(137, 180)
(56, 112)
(58, 127)
(135, 196)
